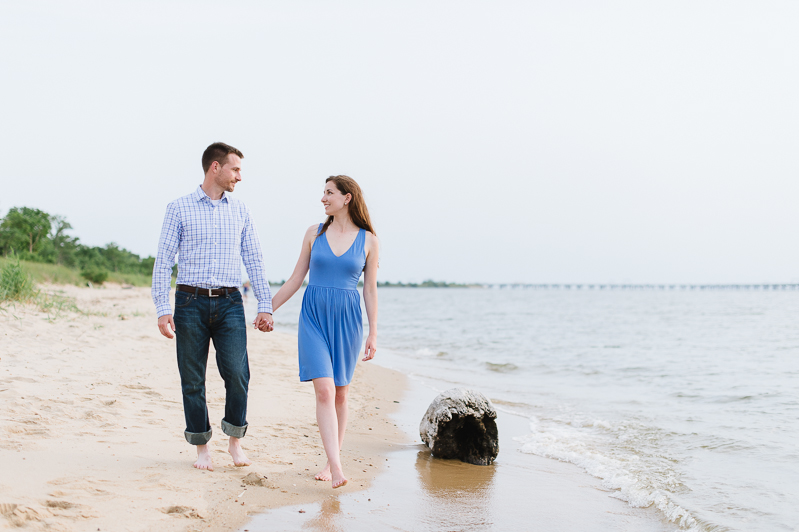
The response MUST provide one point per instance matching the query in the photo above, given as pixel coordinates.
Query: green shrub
(15, 283)
(94, 274)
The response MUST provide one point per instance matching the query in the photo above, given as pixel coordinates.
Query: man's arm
(253, 260)
(162, 269)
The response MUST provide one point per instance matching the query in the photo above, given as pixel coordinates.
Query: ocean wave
(426, 352)
(500, 367)
(616, 454)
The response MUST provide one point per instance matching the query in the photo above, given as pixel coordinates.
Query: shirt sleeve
(253, 260)
(165, 260)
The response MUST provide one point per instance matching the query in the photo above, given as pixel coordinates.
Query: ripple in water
(501, 368)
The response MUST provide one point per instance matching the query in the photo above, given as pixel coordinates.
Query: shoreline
(419, 492)
(93, 440)
(92, 431)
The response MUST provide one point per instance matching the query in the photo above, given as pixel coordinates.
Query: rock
(461, 424)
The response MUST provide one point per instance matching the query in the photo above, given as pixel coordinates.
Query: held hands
(264, 322)
(371, 348)
(165, 323)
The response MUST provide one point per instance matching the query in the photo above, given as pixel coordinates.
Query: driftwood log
(461, 424)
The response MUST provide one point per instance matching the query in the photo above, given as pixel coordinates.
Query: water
(686, 401)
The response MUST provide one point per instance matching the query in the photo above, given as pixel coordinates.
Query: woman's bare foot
(239, 458)
(324, 474)
(338, 478)
(204, 458)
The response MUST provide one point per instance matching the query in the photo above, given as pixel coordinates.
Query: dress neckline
(348, 249)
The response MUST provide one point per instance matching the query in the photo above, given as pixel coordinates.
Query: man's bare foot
(338, 479)
(324, 474)
(239, 458)
(204, 458)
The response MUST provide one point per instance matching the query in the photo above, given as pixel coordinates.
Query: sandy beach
(91, 434)
(92, 439)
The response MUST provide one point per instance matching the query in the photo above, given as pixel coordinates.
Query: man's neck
(212, 190)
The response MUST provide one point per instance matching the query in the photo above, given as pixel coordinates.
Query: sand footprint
(182, 511)
(61, 508)
(19, 515)
(134, 386)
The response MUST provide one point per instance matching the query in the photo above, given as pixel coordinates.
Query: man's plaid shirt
(210, 242)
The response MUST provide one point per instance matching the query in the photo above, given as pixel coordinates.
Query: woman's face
(333, 200)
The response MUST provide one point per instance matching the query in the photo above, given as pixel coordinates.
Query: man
(211, 233)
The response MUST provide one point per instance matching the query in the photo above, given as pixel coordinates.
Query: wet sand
(419, 492)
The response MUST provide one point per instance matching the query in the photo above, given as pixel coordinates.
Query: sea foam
(608, 452)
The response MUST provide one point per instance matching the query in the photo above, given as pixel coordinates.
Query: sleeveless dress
(331, 326)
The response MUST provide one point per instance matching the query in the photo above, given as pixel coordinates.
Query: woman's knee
(342, 392)
(325, 392)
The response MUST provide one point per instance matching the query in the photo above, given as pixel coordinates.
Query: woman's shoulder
(371, 240)
(311, 233)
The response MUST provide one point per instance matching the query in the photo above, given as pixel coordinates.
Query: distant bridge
(608, 286)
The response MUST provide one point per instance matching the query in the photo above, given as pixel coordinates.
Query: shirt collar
(200, 194)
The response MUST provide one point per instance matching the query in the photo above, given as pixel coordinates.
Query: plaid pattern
(210, 243)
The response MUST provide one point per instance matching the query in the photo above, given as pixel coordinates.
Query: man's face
(230, 173)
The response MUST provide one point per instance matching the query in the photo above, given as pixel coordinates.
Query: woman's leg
(327, 419)
(341, 412)
(342, 393)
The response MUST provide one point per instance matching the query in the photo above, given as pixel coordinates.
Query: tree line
(34, 235)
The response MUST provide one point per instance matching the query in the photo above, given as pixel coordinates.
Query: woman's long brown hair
(359, 214)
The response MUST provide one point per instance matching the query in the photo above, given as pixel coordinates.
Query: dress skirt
(330, 333)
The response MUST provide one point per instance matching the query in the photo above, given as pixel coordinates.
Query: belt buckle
(211, 293)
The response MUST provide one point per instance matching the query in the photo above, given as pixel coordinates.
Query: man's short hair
(218, 151)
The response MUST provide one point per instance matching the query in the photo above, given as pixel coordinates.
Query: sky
(533, 141)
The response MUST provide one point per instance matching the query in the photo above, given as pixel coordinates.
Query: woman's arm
(370, 294)
(294, 282)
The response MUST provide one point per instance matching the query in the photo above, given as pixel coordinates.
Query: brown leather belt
(210, 292)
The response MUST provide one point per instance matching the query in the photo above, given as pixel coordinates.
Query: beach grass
(17, 286)
(58, 274)
(135, 279)
(19, 279)
(15, 282)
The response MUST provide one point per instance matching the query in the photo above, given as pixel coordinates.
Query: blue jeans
(198, 319)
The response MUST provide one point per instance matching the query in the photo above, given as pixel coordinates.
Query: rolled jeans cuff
(198, 438)
(233, 430)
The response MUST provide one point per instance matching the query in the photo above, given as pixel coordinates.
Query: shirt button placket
(213, 250)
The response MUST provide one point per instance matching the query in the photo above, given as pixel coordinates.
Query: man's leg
(193, 334)
(229, 333)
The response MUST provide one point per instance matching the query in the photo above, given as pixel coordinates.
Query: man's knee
(236, 379)
(192, 388)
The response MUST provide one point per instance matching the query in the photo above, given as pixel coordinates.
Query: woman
(331, 326)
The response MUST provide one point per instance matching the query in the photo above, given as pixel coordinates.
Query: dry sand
(91, 424)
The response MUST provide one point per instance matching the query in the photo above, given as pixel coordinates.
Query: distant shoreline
(41, 272)
(583, 286)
